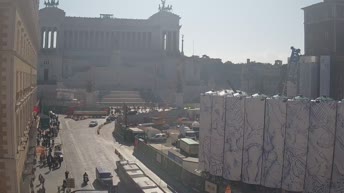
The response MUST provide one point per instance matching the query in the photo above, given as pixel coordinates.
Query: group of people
(45, 138)
(46, 144)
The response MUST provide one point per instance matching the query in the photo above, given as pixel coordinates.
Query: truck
(104, 176)
(189, 146)
(186, 132)
(134, 179)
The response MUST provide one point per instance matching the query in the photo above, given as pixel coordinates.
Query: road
(84, 150)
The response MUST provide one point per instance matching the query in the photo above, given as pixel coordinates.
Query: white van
(159, 137)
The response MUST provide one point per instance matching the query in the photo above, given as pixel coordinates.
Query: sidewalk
(53, 178)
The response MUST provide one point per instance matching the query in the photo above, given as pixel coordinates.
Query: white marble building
(112, 53)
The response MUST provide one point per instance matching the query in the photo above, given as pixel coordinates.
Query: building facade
(110, 52)
(261, 78)
(324, 36)
(18, 72)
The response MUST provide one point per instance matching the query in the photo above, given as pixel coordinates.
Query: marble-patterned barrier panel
(296, 140)
(234, 134)
(205, 132)
(274, 135)
(320, 147)
(253, 140)
(217, 135)
(337, 185)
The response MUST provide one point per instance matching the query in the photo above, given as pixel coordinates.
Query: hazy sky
(234, 30)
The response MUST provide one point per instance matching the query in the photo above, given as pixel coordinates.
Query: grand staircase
(115, 98)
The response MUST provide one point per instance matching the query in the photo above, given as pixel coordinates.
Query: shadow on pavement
(83, 185)
(97, 185)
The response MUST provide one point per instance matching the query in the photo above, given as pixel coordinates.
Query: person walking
(43, 180)
(40, 179)
(64, 185)
(31, 184)
(38, 141)
(50, 166)
(66, 174)
(50, 162)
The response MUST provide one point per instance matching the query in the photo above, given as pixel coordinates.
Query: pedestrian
(40, 179)
(38, 141)
(48, 141)
(52, 142)
(49, 161)
(54, 163)
(59, 159)
(43, 180)
(64, 185)
(66, 174)
(31, 184)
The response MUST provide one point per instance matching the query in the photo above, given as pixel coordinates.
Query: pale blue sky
(234, 30)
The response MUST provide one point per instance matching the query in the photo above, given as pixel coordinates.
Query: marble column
(296, 140)
(52, 38)
(234, 135)
(217, 135)
(274, 136)
(253, 140)
(205, 132)
(57, 34)
(320, 147)
(337, 184)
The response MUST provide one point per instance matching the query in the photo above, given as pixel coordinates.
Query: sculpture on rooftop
(295, 55)
(52, 3)
(163, 6)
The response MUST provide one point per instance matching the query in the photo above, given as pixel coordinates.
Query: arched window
(49, 39)
(44, 38)
(164, 41)
(18, 40)
(55, 39)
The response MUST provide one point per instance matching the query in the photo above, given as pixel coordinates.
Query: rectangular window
(46, 74)
(149, 39)
(144, 40)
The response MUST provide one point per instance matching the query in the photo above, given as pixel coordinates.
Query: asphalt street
(84, 150)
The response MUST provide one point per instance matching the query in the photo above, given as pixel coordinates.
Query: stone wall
(175, 172)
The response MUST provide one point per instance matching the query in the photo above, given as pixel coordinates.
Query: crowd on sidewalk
(48, 152)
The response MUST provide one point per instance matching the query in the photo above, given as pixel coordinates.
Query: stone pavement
(53, 178)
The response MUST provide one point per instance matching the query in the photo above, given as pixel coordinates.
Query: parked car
(159, 137)
(110, 118)
(93, 124)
